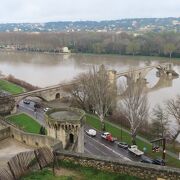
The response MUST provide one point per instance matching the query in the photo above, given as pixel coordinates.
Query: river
(49, 69)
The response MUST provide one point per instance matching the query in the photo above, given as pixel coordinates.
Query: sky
(75, 10)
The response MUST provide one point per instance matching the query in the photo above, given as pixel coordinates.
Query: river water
(49, 69)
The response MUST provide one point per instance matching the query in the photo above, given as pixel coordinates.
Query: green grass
(45, 174)
(80, 172)
(94, 122)
(25, 122)
(10, 87)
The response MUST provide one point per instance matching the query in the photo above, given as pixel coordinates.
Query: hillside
(130, 25)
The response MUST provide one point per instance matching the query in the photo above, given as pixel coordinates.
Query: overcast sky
(63, 10)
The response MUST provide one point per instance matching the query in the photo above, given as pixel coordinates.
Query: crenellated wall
(67, 130)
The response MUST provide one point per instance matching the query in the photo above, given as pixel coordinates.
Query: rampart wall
(141, 170)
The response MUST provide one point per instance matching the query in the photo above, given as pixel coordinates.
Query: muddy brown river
(49, 69)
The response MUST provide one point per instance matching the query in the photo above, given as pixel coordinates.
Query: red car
(107, 136)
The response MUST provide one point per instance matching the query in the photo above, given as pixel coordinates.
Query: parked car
(91, 132)
(26, 101)
(146, 160)
(159, 162)
(134, 149)
(37, 105)
(107, 136)
(46, 109)
(123, 145)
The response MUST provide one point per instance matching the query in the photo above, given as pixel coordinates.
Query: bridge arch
(24, 97)
(57, 96)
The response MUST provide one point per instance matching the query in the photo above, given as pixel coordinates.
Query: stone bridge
(140, 73)
(47, 94)
(57, 92)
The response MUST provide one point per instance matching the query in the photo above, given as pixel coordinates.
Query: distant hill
(140, 25)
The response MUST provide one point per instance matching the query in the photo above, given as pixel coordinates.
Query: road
(99, 146)
(93, 145)
(29, 109)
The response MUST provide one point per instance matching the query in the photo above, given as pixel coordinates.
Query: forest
(148, 44)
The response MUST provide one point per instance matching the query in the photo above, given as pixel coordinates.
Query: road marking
(97, 149)
(123, 157)
(88, 151)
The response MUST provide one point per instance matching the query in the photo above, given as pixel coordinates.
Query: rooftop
(64, 114)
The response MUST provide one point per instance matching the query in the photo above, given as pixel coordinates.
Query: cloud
(59, 10)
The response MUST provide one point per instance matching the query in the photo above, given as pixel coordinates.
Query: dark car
(37, 105)
(159, 162)
(26, 101)
(123, 145)
(147, 160)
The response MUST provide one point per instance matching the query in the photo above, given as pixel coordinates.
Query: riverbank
(10, 87)
(135, 57)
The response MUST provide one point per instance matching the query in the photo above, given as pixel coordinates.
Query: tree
(78, 90)
(133, 48)
(169, 48)
(159, 127)
(134, 105)
(94, 91)
(101, 91)
(173, 107)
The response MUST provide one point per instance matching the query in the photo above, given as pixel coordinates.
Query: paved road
(99, 146)
(93, 145)
(29, 109)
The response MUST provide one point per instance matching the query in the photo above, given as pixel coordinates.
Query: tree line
(148, 44)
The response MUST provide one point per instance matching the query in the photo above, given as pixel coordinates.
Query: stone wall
(4, 133)
(35, 140)
(141, 170)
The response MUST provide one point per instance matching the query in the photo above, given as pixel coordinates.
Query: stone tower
(67, 125)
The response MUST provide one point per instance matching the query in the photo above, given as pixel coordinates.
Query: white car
(46, 109)
(91, 132)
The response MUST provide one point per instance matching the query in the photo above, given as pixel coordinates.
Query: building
(67, 125)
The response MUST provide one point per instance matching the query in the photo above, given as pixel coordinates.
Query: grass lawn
(70, 171)
(10, 87)
(94, 122)
(25, 122)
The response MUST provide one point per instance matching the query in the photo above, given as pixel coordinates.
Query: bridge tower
(67, 125)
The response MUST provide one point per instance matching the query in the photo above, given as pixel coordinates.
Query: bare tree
(78, 91)
(169, 48)
(173, 107)
(159, 122)
(134, 105)
(101, 92)
(94, 91)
